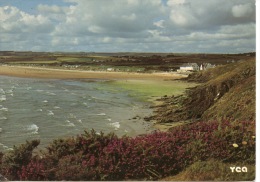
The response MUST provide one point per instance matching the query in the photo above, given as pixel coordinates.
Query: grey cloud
(132, 25)
(200, 14)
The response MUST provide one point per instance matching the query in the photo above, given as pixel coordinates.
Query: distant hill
(225, 92)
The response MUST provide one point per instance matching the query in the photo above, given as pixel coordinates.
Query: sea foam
(101, 114)
(116, 125)
(33, 128)
(50, 113)
(2, 98)
(3, 109)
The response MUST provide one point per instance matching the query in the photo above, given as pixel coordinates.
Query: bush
(148, 157)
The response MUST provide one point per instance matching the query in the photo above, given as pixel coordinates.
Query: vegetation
(150, 90)
(223, 93)
(221, 135)
(149, 157)
(127, 62)
(214, 170)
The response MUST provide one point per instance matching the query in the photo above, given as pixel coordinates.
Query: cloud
(20, 30)
(131, 25)
(243, 10)
(200, 14)
(14, 20)
(114, 17)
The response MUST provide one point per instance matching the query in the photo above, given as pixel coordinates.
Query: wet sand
(41, 72)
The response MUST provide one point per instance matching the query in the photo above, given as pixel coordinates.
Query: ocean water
(48, 109)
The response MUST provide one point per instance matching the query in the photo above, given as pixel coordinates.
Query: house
(110, 69)
(205, 66)
(188, 67)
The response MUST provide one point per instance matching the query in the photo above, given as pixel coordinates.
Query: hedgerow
(93, 156)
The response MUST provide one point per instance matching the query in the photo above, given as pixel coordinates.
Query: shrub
(91, 156)
(13, 161)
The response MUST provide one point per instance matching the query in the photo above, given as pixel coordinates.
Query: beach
(42, 72)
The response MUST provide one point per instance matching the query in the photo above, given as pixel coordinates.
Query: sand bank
(41, 72)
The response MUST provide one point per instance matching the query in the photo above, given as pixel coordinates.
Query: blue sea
(48, 109)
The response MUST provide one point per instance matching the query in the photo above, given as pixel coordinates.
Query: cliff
(227, 91)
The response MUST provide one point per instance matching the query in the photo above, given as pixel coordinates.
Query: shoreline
(41, 72)
(53, 73)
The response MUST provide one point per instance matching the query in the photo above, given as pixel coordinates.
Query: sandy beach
(41, 72)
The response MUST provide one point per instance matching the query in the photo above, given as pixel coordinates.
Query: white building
(110, 69)
(186, 68)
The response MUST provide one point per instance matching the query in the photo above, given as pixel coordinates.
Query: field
(127, 62)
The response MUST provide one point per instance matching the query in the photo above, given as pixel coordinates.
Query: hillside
(186, 152)
(225, 92)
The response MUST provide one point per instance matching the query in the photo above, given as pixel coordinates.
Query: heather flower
(235, 145)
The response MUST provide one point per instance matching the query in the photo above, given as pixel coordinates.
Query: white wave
(56, 107)
(3, 118)
(2, 98)
(50, 93)
(33, 128)
(6, 147)
(38, 90)
(50, 113)
(79, 120)
(2, 91)
(109, 119)
(116, 125)
(45, 101)
(1, 130)
(9, 148)
(101, 114)
(29, 88)
(39, 110)
(85, 104)
(3, 109)
(71, 124)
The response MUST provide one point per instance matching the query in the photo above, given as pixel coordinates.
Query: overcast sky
(212, 26)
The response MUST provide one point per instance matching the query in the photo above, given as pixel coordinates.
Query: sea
(49, 109)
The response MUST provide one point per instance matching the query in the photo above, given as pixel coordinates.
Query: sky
(178, 26)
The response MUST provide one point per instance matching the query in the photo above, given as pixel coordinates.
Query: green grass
(149, 90)
(214, 170)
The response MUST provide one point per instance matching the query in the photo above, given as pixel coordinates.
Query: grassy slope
(226, 92)
(149, 90)
(213, 170)
(235, 84)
